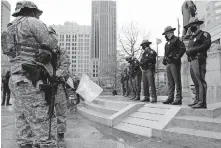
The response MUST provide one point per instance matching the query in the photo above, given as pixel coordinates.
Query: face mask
(193, 28)
(143, 47)
(166, 37)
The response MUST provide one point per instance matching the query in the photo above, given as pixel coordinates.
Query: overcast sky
(149, 15)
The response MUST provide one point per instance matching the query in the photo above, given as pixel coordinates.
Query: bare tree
(128, 39)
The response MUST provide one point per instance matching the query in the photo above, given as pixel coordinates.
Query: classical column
(185, 76)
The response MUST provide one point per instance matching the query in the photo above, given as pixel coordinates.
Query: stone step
(190, 138)
(213, 110)
(100, 108)
(198, 123)
(117, 105)
(135, 129)
(95, 116)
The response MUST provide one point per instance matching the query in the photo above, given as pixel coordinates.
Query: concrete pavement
(82, 133)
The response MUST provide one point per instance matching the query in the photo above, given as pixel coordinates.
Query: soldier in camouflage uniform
(28, 41)
(60, 98)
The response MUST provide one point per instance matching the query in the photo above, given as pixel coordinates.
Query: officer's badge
(205, 34)
(146, 55)
(194, 39)
(168, 43)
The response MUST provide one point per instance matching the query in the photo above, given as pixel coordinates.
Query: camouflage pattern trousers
(32, 126)
(61, 108)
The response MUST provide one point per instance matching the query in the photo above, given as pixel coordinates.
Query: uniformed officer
(198, 46)
(135, 77)
(147, 63)
(174, 50)
(122, 79)
(126, 82)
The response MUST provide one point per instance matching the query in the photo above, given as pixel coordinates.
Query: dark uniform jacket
(198, 45)
(134, 68)
(148, 59)
(174, 50)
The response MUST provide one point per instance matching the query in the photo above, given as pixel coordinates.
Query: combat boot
(168, 101)
(137, 98)
(146, 99)
(133, 97)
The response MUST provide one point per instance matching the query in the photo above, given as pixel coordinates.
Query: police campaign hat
(26, 4)
(145, 42)
(192, 21)
(168, 29)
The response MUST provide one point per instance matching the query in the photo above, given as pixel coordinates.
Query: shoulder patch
(205, 34)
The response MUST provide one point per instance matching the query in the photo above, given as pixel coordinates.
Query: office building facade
(76, 40)
(5, 19)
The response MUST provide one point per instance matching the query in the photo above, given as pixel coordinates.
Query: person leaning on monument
(29, 44)
(62, 72)
(147, 63)
(174, 50)
(135, 77)
(199, 44)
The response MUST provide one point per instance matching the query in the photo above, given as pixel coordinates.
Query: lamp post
(158, 42)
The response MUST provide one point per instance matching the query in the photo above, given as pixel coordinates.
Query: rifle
(51, 89)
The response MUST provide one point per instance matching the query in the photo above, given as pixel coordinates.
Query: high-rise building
(5, 19)
(103, 39)
(76, 40)
(5, 15)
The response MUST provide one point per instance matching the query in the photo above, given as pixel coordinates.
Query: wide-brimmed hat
(168, 29)
(145, 42)
(194, 20)
(26, 4)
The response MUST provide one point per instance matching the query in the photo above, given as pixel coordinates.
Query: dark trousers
(136, 83)
(127, 89)
(174, 80)
(123, 88)
(198, 72)
(149, 81)
(6, 92)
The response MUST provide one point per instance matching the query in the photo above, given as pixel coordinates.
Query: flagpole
(157, 66)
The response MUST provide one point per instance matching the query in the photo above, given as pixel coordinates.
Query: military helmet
(194, 20)
(26, 4)
(145, 42)
(168, 29)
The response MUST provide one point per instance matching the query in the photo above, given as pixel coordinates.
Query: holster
(34, 73)
(201, 58)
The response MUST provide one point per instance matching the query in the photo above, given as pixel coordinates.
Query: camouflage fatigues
(27, 37)
(60, 98)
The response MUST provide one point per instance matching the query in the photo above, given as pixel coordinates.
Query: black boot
(177, 102)
(146, 99)
(198, 106)
(137, 97)
(168, 101)
(194, 103)
(133, 97)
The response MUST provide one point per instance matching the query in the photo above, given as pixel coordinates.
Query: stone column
(213, 77)
(185, 76)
